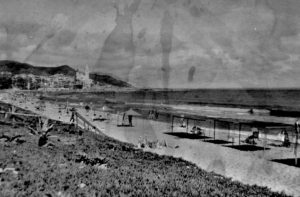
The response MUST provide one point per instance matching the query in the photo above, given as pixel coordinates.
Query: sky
(160, 43)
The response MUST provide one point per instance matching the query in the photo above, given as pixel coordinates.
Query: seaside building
(81, 80)
(34, 82)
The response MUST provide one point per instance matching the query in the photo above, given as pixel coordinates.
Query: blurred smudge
(191, 74)
(40, 45)
(118, 46)
(166, 35)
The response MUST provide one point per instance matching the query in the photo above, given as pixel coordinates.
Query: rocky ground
(74, 162)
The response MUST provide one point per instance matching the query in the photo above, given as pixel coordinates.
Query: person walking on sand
(130, 120)
(286, 142)
(156, 115)
(72, 119)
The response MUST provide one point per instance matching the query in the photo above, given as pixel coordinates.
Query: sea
(281, 102)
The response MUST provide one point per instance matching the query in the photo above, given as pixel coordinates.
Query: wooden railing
(86, 123)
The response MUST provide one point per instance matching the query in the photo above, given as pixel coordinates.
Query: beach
(249, 167)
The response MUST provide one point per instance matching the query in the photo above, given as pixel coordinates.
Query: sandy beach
(249, 167)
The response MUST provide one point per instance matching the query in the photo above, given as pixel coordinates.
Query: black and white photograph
(149, 98)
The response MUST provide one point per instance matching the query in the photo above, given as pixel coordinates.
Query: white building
(84, 77)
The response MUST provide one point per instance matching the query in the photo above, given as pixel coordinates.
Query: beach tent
(131, 112)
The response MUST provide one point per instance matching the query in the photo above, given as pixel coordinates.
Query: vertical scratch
(191, 74)
(166, 36)
(39, 45)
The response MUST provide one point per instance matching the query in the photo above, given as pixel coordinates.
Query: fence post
(296, 147)
(214, 129)
(240, 127)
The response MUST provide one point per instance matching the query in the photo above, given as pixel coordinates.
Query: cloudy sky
(160, 43)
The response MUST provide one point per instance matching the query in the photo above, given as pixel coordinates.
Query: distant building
(59, 81)
(83, 78)
(34, 82)
(5, 74)
(5, 80)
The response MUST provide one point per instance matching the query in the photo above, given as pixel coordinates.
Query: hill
(24, 68)
(103, 79)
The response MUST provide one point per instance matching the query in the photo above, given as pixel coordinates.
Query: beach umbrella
(131, 112)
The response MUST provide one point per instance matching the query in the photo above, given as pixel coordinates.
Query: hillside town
(23, 81)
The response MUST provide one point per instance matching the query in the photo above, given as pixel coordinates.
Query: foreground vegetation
(81, 163)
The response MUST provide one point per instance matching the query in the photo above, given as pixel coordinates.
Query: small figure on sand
(73, 111)
(130, 120)
(286, 141)
(156, 115)
(251, 139)
(182, 121)
(196, 130)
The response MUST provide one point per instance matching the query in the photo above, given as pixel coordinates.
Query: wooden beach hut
(129, 114)
(132, 113)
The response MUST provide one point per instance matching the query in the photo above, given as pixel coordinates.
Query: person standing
(130, 120)
(72, 119)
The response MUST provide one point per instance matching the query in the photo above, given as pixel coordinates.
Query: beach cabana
(129, 114)
(132, 112)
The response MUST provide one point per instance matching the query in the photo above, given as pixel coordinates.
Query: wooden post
(240, 127)
(76, 120)
(265, 140)
(214, 129)
(296, 147)
(228, 130)
(13, 120)
(172, 124)
(187, 125)
(38, 124)
(296, 142)
(6, 116)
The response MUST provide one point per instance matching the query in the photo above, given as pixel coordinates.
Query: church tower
(87, 72)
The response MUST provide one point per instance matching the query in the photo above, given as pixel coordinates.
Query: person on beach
(130, 120)
(72, 119)
(150, 114)
(286, 141)
(182, 121)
